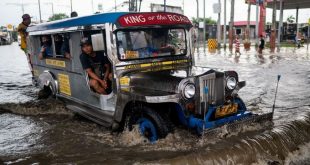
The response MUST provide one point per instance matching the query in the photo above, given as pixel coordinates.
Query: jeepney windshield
(151, 43)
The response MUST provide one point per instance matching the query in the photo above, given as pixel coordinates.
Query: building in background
(240, 28)
(161, 8)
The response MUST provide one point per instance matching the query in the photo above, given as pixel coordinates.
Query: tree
(208, 21)
(290, 19)
(58, 16)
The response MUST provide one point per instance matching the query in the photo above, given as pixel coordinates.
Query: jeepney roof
(78, 21)
(122, 19)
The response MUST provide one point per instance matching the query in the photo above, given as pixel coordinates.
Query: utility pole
(231, 24)
(197, 1)
(308, 34)
(71, 6)
(249, 21)
(92, 6)
(273, 29)
(224, 33)
(132, 7)
(23, 9)
(204, 25)
(256, 26)
(115, 6)
(164, 5)
(219, 25)
(183, 7)
(40, 11)
(280, 24)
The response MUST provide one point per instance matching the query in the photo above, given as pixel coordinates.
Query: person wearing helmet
(22, 30)
(97, 66)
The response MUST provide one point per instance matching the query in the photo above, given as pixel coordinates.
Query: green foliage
(58, 16)
(208, 21)
(290, 19)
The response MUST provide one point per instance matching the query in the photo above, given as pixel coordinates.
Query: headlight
(189, 91)
(231, 83)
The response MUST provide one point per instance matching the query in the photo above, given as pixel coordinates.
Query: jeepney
(155, 83)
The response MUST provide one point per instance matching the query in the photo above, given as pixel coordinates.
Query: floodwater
(44, 132)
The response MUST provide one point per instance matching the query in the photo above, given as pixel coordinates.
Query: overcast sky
(11, 14)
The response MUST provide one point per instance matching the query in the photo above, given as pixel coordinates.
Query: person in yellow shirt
(22, 30)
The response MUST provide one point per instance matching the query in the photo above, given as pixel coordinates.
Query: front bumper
(209, 122)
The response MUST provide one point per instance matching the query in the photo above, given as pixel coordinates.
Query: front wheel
(151, 124)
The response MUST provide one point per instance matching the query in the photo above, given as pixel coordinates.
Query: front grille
(211, 90)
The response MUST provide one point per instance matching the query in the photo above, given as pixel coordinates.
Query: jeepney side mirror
(98, 42)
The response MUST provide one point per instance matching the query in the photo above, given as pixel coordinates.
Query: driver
(161, 42)
(97, 66)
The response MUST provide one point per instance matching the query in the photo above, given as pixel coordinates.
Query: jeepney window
(46, 50)
(62, 48)
(151, 43)
(54, 46)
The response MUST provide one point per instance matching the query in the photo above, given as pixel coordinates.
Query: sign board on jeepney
(138, 19)
(216, 8)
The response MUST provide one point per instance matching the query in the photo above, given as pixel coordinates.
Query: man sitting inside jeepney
(46, 48)
(97, 66)
(161, 42)
(62, 46)
(65, 48)
(58, 44)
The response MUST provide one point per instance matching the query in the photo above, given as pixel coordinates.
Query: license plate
(226, 110)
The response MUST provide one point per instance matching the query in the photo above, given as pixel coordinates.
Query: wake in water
(285, 144)
(50, 106)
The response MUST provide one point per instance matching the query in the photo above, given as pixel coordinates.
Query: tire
(151, 124)
(44, 93)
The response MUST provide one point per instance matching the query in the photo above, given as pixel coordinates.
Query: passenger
(46, 49)
(65, 48)
(58, 44)
(94, 62)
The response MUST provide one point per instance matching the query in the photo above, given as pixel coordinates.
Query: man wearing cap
(97, 66)
(22, 30)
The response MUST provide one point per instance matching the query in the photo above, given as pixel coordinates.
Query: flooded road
(44, 132)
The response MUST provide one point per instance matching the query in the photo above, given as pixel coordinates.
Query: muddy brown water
(44, 132)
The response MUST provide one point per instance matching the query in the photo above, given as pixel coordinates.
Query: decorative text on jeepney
(153, 19)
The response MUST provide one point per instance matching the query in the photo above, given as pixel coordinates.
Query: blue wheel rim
(147, 127)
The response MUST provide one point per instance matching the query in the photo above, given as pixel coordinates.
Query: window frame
(159, 57)
(54, 46)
